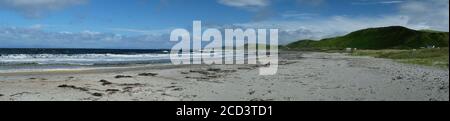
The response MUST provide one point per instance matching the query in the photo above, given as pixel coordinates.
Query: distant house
(348, 49)
(428, 47)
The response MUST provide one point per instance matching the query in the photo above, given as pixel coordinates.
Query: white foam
(77, 59)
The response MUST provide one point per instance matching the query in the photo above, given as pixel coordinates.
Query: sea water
(34, 59)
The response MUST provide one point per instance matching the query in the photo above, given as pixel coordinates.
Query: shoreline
(89, 70)
(302, 76)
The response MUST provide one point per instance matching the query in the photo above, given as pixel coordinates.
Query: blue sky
(146, 24)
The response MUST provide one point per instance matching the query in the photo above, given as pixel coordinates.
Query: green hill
(394, 37)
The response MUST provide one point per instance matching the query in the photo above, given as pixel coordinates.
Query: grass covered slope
(394, 37)
(429, 57)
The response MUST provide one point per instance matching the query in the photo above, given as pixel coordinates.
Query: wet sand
(301, 77)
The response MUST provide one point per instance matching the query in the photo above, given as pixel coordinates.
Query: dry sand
(301, 77)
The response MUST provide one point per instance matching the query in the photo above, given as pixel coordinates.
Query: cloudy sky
(146, 24)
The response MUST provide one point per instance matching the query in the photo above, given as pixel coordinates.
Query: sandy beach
(302, 76)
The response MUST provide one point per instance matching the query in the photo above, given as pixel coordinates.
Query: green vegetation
(395, 37)
(429, 57)
(395, 42)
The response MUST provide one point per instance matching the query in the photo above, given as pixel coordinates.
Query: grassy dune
(394, 37)
(428, 57)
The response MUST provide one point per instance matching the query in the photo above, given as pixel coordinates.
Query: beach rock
(147, 74)
(122, 76)
(1, 95)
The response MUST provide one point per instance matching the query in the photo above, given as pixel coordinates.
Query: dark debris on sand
(212, 71)
(1, 95)
(147, 74)
(97, 94)
(209, 73)
(122, 76)
(245, 68)
(174, 88)
(105, 82)
(177, 89)
(112, 90)
(133, 84)
(81, 89)
(128, 87)
(251, 92)
(73, 87)
(218, 70)
(257, 99)
(286, 62)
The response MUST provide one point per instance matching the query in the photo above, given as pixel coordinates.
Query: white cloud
(325, 27)
(245, 3)
(29, 37)
(415, 14)
(37, 8)
(37, 26)
(372, 2)
(141, 31)
(433, 13)
(391, 2)
(298, 15)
